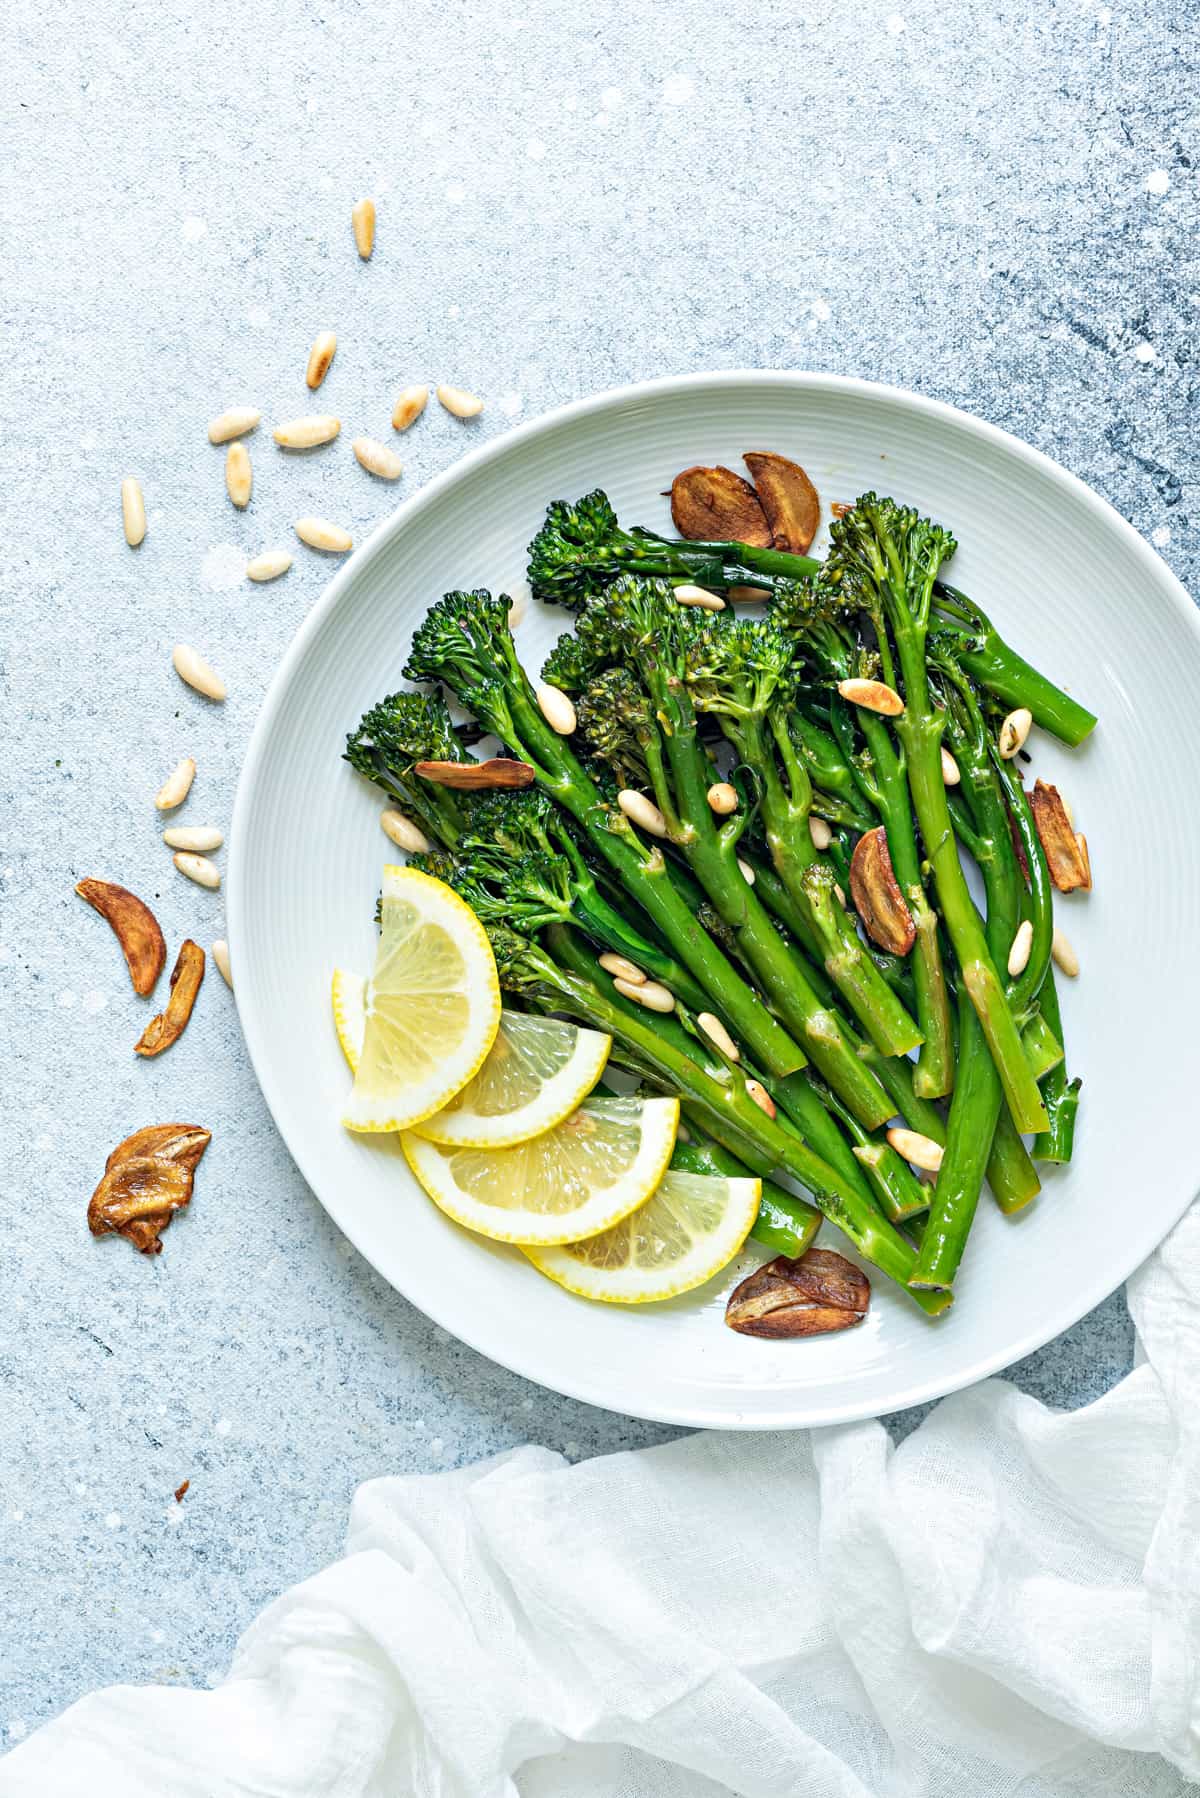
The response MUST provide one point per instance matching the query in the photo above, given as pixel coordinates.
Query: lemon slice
(691, 1228)
(432, 1005)
(584, 1175)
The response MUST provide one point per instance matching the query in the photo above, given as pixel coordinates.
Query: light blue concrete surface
(993, 204)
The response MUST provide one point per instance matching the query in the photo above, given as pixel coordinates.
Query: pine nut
(202, 838)
(557, 709)
(621, 969)
(841, 895)
(1013, 732)
(951, 775)
(403, 832)
(363, 220)
(517, 610)
(318, 533)
(747, 872)
(133, 511)
(460, 402)
(220, 954)
(234, 423)
(820, 832)
(723, 798)
(306, 433)
(920, 1150)
(191, 667)
(377, 458)
(642, 811)
(647, 993)
(1068, 808)
(687, 595)
(1022, 943)
(761, 1097)
(199, 869)
(716, 1033)
(177, 785)
(1063, 951)
(320, 356)
(269, 566)
(873, 696)
(409, 407)
(239, 476)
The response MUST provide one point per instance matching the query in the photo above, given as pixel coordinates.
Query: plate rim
(254, 1029)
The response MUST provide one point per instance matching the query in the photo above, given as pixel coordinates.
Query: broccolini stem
(990, 661)
(1061, 1093)
(785, 1224)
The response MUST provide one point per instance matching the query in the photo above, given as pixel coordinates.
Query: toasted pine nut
(716, 1032)
(220, 954)
(951, 775)
(922, 1151)
(403, 832)
(648, 993)
(191, 667)
(409, 407)
(1086, 859)
(1069, 809)
(1022, 943)
(621, 969)
(687, 595)
(203, 838)
(239, 476)
(133, 511)
(460, 402)
(319, 358)
(234, 423)
(306, 433)
(841, 895)
(199, 869)
(557, 709)
(642, 811)
(269, 566)
(363, 220)
(761, 1097)
(518, 609)
(318, 533)
(177, 785)
(873, 696)
(723, 798)
(747, 872)
(1014, 730)
(1063, 951)
(377, 458)
(819, 831)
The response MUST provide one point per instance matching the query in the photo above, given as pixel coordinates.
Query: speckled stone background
(993, 204)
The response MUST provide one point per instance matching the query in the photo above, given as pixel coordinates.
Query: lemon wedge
(583, 1176)
(688, 1231)
(432, 1005)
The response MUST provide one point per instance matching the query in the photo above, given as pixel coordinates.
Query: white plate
(1070, 583)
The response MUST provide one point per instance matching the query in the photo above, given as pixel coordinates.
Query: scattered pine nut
(687, 595)
(761, 1097)
(642, 811)
(1013, 732)
(747, 872)
(1022, 943)
(873, 696)
(460, 402)
(306, 433)
(841, 896)
(318, 533)
(1069, 809)
(715, 1031)
(403, 832)
(377, 458)
(621, 969)
(722, 798)
(234, 423)
(269, 565)
(199, 869)
(951, 775)
(1086, 859)
(920, 1150)
(819, 831)
(409, 407)
(363, 220)
(323, 351)
(220, 954)
(557, 709)
(1063, 951)
(133, 511)
(517, 610)
(191, 667)
(201, 838)
(648, 993)
(239, 476)
(177, 785)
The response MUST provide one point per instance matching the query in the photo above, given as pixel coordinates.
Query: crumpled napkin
(1008, 1603)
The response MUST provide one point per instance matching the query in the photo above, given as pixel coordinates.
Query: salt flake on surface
(1157, 181)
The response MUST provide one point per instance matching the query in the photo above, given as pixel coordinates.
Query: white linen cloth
(1008, 1603)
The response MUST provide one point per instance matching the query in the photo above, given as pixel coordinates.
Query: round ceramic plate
(1070, 584)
